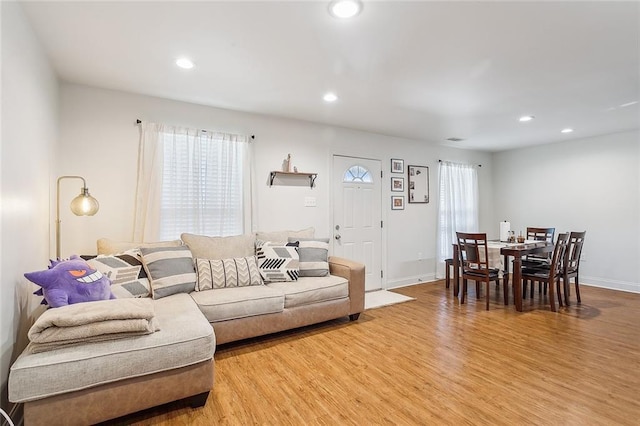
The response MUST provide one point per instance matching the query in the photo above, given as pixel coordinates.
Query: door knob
(337, 236)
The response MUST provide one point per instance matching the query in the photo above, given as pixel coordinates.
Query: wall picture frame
(418, 187)
(397, 184)
(397, 165)
(397, 202)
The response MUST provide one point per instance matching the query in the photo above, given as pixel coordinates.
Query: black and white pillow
(128, 277)
(170, 270)
(277, 261)
(223, 273)
(314, 256)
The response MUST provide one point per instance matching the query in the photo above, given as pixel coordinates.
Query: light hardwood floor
(434, 361)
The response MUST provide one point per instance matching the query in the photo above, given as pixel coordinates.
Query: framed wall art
(397, 166)
(397, 202)
(397, 184)
(418, 178)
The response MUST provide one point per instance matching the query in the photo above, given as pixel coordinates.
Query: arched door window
(359, 174)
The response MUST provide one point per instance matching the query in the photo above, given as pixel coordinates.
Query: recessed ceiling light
(567, 130)
(330, 97)
(628, 104)
(526, 118)
(345, 8)
(184, 63)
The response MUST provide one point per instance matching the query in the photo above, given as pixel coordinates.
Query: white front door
(357, 224)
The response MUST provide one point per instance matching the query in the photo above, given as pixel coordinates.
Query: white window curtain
(192, 181)
(457, 207)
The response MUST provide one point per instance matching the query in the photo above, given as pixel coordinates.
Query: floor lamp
(83, 205)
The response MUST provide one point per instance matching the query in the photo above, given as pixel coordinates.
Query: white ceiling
(422, 70)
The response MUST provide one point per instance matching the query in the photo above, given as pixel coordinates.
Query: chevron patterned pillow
(222, 273)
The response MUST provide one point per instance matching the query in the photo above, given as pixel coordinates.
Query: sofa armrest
(354, 272)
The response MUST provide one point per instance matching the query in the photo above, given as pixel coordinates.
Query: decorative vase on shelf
(286, 163)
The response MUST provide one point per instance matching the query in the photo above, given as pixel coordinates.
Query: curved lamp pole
(82, 205)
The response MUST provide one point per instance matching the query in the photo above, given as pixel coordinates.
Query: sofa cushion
(170, 270)
(282, 237)
(314, 256)
(128, 277)
(238, 302)
(221, 273)
(204, 247)
(277, 262)
(308, 290)
(108, 246)
(185, 338)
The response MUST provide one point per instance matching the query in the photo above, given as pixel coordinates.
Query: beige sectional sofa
(94, 382)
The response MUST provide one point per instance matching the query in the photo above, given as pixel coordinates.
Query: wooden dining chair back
(571, 264)
(473, 257)
(539, 234)
(553, 274)
(537, 260)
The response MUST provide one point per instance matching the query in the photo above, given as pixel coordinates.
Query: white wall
(29, 136)
(99, 141)
(587, 184)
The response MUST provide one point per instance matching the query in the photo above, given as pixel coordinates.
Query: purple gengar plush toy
(71, 281)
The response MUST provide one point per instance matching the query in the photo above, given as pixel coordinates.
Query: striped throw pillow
(314, 256)
(223, 273)
(170, 270)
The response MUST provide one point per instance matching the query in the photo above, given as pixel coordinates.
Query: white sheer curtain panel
(457, 207)
(192, 181)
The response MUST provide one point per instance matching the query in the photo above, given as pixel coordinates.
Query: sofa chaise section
(93, 382)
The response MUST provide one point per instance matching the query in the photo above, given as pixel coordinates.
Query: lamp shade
(84, 204)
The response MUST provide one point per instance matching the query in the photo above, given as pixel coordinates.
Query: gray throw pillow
(170, 270)
(314, 256)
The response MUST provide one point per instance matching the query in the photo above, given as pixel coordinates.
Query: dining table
(499, 253)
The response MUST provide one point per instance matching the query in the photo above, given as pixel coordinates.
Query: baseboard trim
(627, 286)
(407, 281)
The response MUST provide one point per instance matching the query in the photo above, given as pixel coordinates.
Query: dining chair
(553, 274)
(571, 265)
(448, 265)
(473, 257)
(537, 260)
(539, 234)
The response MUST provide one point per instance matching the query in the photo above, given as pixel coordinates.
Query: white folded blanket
(92, 322)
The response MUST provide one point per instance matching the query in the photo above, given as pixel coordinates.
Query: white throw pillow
(277, 262)
(128, 278)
